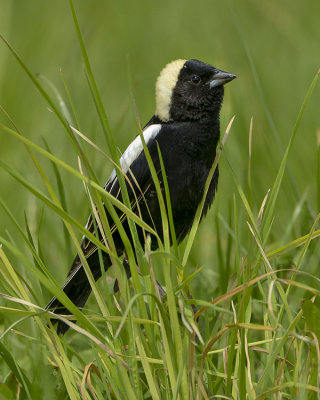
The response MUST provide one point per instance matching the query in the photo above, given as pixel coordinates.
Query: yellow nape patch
(165, 84)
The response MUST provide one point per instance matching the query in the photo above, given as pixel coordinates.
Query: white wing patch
(132, 153)
(134, 150)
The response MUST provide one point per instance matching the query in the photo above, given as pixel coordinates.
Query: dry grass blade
(86, 380)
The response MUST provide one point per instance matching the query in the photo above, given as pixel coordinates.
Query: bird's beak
(220, 78)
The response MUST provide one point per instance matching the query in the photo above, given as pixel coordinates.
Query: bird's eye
(196, 79)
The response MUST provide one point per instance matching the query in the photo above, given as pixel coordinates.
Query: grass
(251, 266)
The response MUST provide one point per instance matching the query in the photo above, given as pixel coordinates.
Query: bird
(186, 128)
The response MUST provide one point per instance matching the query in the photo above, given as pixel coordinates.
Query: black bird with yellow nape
(186, 129)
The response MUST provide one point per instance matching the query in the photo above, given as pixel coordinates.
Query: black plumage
(186, 128)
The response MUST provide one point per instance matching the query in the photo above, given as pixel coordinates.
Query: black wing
(141, 192)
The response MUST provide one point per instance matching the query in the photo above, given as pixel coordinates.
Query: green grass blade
(269, 211)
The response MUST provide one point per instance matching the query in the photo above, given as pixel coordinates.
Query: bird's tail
(78, 289)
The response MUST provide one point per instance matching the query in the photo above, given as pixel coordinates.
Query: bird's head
(189, 90)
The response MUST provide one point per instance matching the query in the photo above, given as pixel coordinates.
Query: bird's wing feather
(134, 165)
(132, 152)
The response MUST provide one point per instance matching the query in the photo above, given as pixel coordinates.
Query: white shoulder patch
(166, 82)
(134, 149)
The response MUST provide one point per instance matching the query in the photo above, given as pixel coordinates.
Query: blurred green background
(272, 46)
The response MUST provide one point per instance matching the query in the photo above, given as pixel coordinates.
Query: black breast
(188, 151)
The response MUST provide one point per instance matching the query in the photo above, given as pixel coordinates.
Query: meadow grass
(255, 334)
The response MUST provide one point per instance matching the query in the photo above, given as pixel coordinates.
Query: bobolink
(186, 128)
